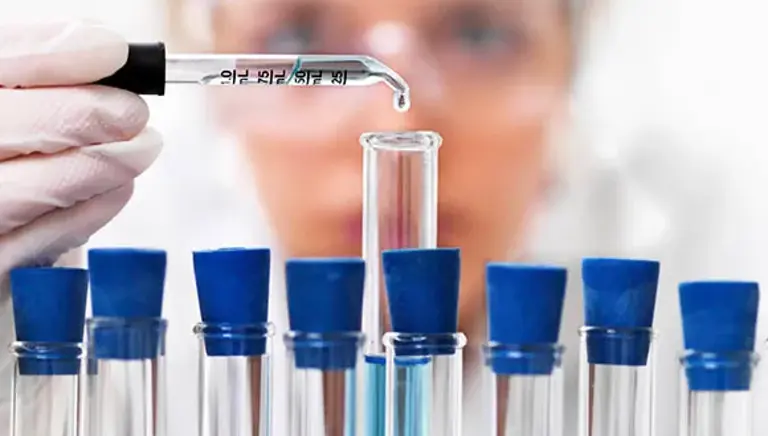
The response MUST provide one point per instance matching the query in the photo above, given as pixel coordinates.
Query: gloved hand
(68, 153)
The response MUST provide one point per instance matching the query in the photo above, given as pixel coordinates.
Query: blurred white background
(672, 109)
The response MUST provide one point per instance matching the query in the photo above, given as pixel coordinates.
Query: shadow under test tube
(49, 313)
(719, 326)
(617, 359)
(235, 392)
(523, 363)
(424, 352)
(125, 382)
(399, 211)
(325, 301)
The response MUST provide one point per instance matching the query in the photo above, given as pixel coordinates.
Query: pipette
(719, 326)
(617, 363)
(149, 68)
(522, 358)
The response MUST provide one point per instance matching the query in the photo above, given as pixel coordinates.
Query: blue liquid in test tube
(424, 350)
(399, 211)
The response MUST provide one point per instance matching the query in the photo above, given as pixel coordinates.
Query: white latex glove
(68, 152)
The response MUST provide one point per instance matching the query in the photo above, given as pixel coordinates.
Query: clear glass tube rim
(619, 331)
(46, 350)
(413, 141)
(424, 341)
(523, 350)
(126, 323)
(717, 360)
(234, 331)
(294, 338)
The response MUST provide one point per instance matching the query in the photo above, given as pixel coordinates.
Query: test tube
(617, 362)
(235, 347)
(49, 313)
(148, 69)
(424, 350)
(399, 211)
(125, 382)
(523, 371)
(325, 303)
(719, 324)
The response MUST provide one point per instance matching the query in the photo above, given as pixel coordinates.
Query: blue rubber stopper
(719, 328)
(233, 289)
(525, 307)
(127, 283)
(619, 303)
(325, 306)
(423, 289)
(49, 306)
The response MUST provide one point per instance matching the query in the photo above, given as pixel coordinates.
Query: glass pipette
(149, 68)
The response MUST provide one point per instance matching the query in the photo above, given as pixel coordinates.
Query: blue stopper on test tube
(423, 291)
(233, 290)
(525, 306)
(325, 299)
(127, 284)
(619, 303)
(49, 307)
(719, 328)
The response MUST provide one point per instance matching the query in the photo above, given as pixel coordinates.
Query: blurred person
(493, 77)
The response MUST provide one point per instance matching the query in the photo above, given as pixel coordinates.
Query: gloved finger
(54, 119)
(35, 185)
(42, 241)
(58, 54)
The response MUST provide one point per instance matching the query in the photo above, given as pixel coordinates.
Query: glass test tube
(716, 373)
(126, 377)
(616, 399)
(49, 312)
(323, 384)
(125, 382)
(717, 411)
(424, 384)
(399, 211)
(235, 391)
(525, 384)
(617, 354)
(235, 379)
(325, 301)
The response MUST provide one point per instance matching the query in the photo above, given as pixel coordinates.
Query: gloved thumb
(59, 54)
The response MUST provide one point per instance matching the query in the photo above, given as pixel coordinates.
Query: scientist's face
(488, 75)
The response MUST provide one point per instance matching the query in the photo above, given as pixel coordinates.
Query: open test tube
(617, 360)
(235, 342)
(325, 303)
(399, 211)
(523, 361)
(125, 382)
(424, 350)
(719, 326)
(148, 70)
(49, 313)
